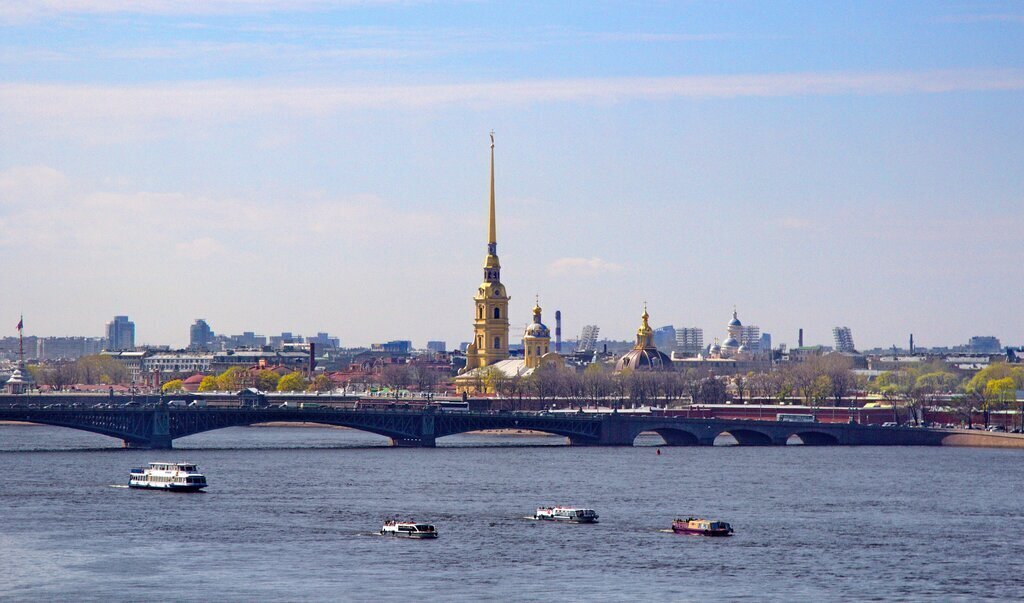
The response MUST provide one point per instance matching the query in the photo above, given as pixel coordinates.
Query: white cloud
(54, 215)
(232, 101)
(199, 249)
(581, 267)
(30, 184)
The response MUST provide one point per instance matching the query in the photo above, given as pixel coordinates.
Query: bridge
(157, 425)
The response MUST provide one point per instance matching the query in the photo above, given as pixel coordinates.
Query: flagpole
(21, 339)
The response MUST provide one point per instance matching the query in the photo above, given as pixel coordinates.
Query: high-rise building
(120, 334)
(985, 344)
(588, 338)
(665, 338)
(689, 340)
(397, 346)
(490, 323)
(68, 348)
(766, 342)
(844, 339)
(200, 336)
(437, 347)
(323, 341)
(750, 337)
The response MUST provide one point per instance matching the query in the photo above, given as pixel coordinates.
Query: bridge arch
(748, 437)
(815, 438)
(675, 437)
(99, 429)
(186, 428)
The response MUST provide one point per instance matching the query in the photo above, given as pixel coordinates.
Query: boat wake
(119, 486)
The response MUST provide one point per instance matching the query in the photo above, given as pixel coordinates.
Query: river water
(291, 514)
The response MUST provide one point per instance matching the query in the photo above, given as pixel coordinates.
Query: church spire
(492, 233)
(492, 267)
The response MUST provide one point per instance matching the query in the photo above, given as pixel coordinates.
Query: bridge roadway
(158, 426)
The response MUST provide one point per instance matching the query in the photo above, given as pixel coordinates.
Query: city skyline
(325, 169)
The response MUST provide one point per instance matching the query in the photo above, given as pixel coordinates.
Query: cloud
(581, 267)
(69, 219)
(233, 100)
(199, 249)
(30, 184)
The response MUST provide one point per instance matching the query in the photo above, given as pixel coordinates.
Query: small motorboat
(569, 514)
(703, 527)
(408, 529)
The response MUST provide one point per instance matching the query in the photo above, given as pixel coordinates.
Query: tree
(711, 391)
(321, 383)
(998, 392)
(208, 384)
(597, 382)
(740, 383)
(397, 377)
(100, 369)
(173, 386)
(545, 382)
(231, 379)
(427, 378)
(292, 382)
(266, 380)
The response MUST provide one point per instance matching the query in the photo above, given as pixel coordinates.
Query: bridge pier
(160, 442)
(420, 442)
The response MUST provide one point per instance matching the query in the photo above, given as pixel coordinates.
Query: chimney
(911, 343)
(312, 358)
(800, 339)
(558, 331)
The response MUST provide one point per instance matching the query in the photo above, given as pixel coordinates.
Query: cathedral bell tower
(490, 325)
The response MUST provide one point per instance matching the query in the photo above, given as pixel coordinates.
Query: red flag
(21, 324)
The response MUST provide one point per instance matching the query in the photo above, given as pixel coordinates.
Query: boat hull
(565, 519)
(414, 535)
(686, 530)
(169, 487)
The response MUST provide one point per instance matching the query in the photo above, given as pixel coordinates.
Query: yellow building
(536, 340)
(490, 325)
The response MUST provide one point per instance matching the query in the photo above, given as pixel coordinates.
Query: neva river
(292, 513)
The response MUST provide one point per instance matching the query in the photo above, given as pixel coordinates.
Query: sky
(304, 166)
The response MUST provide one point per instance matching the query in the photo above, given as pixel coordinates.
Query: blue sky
(304, 165)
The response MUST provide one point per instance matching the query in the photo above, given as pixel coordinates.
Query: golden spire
(536, 306)
(492, 235)
(644, 333)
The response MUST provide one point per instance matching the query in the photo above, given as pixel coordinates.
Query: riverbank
(511, 432)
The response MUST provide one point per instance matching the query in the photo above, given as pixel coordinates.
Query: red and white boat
(703, 527)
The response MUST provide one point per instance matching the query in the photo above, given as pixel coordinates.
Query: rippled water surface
(292, 514)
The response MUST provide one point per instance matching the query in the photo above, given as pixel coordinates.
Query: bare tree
(711, 391)
(397, 377)
(598, 382)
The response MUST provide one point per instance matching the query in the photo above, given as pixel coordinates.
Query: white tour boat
(570, 514)
(408, 529)
(179, 477)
